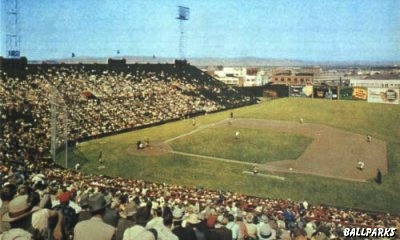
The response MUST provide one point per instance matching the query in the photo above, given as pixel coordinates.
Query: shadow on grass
(74, 156)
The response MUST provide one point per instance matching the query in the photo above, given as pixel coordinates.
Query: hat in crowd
(177, 214)
(108, 199)
(64, 197)
(39, 178)
(84, 200)
(16, 233)
(130, 210)
(193, 219)
(264, 218)
(222, 220)
(321, 236)
(154, 205)
(18, 208)
(249, 218)
(97, 202)
(265, 232)
(137, 232)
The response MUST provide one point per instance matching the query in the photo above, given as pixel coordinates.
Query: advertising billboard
(383, 95)
(359, 93)
(345, 93)
(300, 91)
(353, 93)
(327, 92)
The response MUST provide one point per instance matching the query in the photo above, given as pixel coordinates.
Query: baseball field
(315, 159)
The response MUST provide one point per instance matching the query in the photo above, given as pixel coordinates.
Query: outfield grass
(252, 145)
(378, 120)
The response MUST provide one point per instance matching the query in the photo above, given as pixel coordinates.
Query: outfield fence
(371, 95)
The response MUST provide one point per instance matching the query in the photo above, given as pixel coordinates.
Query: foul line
(213, 158)
(265, 175)
(267, 168)
(194, 131)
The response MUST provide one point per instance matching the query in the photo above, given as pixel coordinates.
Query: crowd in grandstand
(99, 101)
(81, 102)
(47, 202)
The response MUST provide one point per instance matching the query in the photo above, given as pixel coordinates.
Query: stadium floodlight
(183, 15)
(12, 29)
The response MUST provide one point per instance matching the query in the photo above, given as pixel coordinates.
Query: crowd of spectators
(132, 207)
(42, 200)
(78, 102)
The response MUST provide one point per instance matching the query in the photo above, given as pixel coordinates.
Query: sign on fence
(383, 95)
(300, 91)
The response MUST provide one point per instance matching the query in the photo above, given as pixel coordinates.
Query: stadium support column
(182, 40)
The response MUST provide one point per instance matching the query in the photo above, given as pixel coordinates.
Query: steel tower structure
(13, 38)
(183, 15)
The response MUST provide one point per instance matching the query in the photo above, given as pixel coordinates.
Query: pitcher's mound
(155, 149)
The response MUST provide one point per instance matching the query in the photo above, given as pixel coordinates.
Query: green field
(378, 120)
(253, 145)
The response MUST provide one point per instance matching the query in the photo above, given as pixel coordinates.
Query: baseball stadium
(152, 150)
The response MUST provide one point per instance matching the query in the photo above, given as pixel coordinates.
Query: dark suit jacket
(184, 233)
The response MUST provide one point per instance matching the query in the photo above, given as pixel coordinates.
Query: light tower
(12, 29)
(183, 15)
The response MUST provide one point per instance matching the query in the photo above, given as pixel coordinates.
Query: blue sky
(318, 30)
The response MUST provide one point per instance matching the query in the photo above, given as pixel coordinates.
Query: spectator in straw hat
(6, 195)
(16, 233)
(251, 227)
(19, 215)
(264, 230)
(220, 232)
(42, 217)
(95, 228)
(127, 219)
(183, 233)
(139, 231)
(194, 223)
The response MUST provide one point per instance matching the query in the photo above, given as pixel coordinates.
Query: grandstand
(107, 99)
